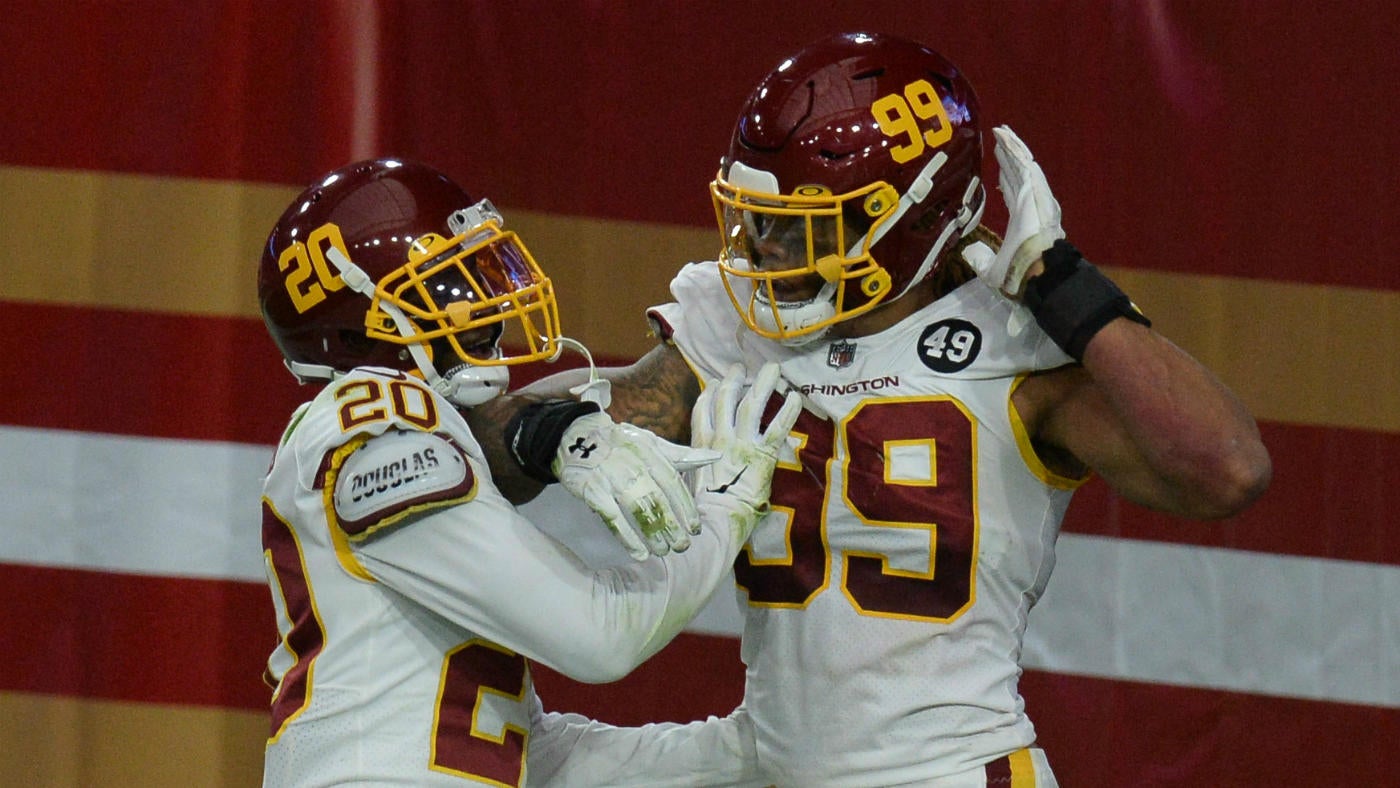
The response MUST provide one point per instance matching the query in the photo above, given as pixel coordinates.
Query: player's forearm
(643, 607)
(487, 423)
(633, 625)
(655, 393)
(569, 749)
(1191, 431)
(487, 569)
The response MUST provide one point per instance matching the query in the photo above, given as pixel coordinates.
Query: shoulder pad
(381, 479)
(364, 403)
(658, 325)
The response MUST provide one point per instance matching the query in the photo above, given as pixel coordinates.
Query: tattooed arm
(655, 393)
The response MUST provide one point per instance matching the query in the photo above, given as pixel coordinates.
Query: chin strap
(969, 214)
(306, 373)
(597, 390)
(796, 317)
(356, 279)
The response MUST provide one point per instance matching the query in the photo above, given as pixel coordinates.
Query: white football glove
(631, 478)
(1034, 223)
(738, 483)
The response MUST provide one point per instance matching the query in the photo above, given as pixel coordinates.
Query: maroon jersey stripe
(999, 771)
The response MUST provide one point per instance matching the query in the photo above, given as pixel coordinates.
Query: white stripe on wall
(1227, 619)
(1116, 608)
(166, 507)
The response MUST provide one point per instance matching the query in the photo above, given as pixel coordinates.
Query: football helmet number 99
(390, 263)
(856, 165)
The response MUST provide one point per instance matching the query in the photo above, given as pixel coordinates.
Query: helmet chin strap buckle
(352, 275)
(469, 385)
(306, 373)
(779, 320)
(876, 283)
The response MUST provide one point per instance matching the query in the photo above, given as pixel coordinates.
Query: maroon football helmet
(390, 263)
(860, 156)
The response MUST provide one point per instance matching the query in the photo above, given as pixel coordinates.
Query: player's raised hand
(1034, 223)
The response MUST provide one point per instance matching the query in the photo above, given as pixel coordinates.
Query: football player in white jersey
(410, 596)
(958, 388)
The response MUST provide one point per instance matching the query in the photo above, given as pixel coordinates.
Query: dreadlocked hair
(955, 271)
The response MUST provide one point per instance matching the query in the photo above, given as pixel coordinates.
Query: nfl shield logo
(841, 354)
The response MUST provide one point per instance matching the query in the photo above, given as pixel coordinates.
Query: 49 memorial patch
(398, 473)
(950, 345)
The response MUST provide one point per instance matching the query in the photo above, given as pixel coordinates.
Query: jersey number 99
(942, 504)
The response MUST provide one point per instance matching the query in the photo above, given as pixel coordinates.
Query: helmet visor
(781, 251)
(481, 286)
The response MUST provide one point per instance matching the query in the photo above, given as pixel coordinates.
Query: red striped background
(1241, 138)
(1145, 114)
(185, 641)
(155, 373)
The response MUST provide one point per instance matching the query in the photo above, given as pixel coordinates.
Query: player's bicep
(486, 568)
(1076, 431)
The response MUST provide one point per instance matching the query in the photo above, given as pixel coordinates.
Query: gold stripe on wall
(606, 273)
(1305, 354)
(134, 242)
(59, 741)
(192, 246)
(1298, 353)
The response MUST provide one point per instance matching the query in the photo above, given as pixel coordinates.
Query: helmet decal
(901, 114)
(389, 263)
(308, 278)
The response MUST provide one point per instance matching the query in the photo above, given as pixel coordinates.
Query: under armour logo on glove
(581, 449)
(724, 488)
(632, 479)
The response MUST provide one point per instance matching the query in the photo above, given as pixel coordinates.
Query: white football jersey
(913, 528)
(411, 596)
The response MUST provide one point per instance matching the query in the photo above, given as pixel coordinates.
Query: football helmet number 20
(854, 165)
(390, 263)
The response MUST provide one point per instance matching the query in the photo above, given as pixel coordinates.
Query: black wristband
(533, 434)
(1072, 300)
